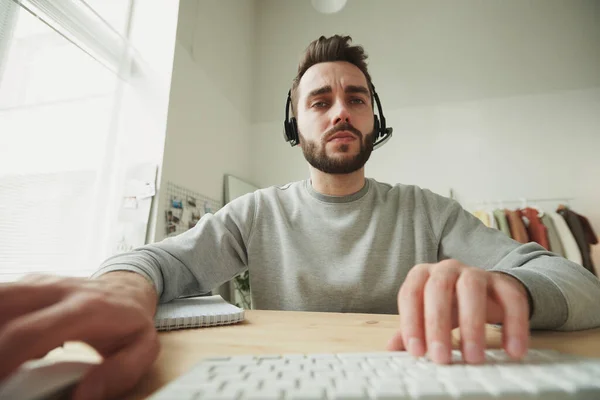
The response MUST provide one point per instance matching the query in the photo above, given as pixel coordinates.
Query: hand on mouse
(436, 298)
(113, 314)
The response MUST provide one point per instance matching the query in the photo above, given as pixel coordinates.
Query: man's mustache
(342, 126)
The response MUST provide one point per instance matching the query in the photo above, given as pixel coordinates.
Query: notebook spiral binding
(197, 312)
(196, 321)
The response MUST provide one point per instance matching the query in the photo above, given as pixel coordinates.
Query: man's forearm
(134, 284)
(565, 295)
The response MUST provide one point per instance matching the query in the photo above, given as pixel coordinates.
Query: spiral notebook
(195, 312)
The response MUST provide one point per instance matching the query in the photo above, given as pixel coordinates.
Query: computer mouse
(43, 379)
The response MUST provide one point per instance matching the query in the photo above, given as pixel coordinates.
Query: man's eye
(357, 101)
(319, 104)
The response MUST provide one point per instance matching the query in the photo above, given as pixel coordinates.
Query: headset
(381, 133)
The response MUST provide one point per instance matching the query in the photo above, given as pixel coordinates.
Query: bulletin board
(184, 208)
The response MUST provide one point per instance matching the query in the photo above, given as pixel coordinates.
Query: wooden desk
(272, 332)
(266, 332)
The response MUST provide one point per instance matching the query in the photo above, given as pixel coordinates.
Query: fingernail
(415, 346)
(516, 347)
(473, 352)
(439, 353)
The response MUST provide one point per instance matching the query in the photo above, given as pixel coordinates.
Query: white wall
(209, 125)
(435, 51)
(497, 100)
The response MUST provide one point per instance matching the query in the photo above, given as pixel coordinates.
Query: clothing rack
(524, 201)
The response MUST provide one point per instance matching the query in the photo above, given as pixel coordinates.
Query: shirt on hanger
(553, 237)
(581, 237)
(492, 219)
(536, 229)
(483, 217)
(517, 227)
(589, 231)
(567, 239)
(502, 222)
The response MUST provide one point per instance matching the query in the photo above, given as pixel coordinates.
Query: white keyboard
(543, 374)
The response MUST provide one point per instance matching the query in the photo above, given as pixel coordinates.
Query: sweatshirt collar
(337, 199)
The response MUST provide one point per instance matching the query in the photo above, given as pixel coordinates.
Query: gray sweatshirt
(307, 251)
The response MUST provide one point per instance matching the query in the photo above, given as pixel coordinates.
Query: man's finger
(119, 373)
(396, 343)
(28, 336)
(22, 298)
(515, 325)
(410, 307)
(471, 292)
(439, 292)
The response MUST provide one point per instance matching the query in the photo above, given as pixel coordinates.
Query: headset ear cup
(376, 129)
(294, 130)
(286, 131)
(290, 131)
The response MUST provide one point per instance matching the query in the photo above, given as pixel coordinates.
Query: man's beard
(318, 158)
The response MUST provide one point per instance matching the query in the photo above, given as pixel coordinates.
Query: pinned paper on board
(138, 192)
(185, 208)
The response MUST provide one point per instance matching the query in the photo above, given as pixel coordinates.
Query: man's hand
(113, 314)
(436, 298)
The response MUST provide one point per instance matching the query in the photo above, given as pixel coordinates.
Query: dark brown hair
(334, 48)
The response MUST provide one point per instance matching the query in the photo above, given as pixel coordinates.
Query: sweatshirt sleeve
(565, 295)
(198, 260)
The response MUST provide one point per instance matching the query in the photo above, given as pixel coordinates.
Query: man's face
(335, 117)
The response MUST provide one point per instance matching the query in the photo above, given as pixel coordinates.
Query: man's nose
(340, 113)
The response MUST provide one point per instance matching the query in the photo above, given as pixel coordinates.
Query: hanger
(523, 203)
(540, 212)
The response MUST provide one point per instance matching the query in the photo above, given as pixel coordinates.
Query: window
(58, 92)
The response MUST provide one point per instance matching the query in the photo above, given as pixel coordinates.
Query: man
(336, 242)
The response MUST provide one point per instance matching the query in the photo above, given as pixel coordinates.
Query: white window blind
(58, 95)
(79, 23)
(8, 12)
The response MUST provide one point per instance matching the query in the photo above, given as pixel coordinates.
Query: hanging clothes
(500, 216)
(536, 229)
(592, 238)
(589, 231)
(483, 217)
(492, 219)
(574, 221)
(553, 237)
(567, 239)
(517, 228)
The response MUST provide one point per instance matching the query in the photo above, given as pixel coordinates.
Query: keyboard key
(231, 390)
(353, 392)
(466, 389)
(172, 393)
(264, 394)
(390, 391)
(451, 371)
(426, 389)
(323, 357)
(293, 357)
(283, 385)
(506, 389)
(269, 357)
(306, 393)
